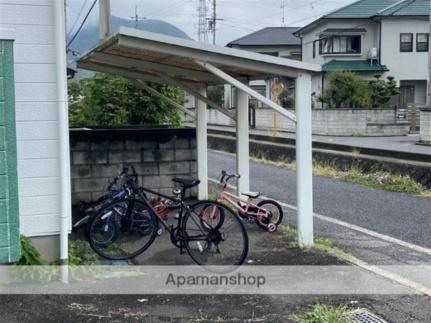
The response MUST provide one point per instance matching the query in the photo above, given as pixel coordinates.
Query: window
(314, 49)
(340, 45)
(422, 42)
(406, 42)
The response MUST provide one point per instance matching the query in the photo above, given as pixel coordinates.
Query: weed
(29, 254)
(320, 313)
(378, 180)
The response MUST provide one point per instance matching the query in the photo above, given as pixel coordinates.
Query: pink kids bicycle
(267, 214)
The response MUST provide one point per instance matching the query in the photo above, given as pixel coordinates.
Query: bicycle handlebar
(225, 177)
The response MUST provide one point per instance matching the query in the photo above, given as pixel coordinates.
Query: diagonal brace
(141, 84)
(229, 79)
(195, 93)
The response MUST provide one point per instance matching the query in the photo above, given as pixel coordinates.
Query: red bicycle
(267, 214)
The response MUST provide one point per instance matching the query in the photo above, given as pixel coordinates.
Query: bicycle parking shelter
(149, 57)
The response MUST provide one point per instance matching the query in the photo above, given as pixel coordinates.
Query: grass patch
(319, 242)
(377, 180)
(320, 313)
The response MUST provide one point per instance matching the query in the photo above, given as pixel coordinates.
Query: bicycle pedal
(159, 232)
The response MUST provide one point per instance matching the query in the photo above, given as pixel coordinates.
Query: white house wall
(404, 65)
(369, 40)
(36, 113)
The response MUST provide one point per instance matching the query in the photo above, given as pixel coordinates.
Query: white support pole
(63, 131)
(104, 18)
(202, 145)
(242, 142)
(146, 87)
(304, 162)
(229, 79)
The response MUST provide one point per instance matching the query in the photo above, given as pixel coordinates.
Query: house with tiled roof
(276, 41)
(389, 37)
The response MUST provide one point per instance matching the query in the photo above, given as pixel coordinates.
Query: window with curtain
(422, 42)
(341, 45)
(406, 42)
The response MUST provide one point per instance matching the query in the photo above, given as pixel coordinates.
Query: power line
(82, 25)
(78, 16)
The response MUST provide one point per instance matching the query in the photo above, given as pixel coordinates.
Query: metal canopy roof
(158, 58)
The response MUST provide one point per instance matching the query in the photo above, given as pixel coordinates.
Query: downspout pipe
(63, 128)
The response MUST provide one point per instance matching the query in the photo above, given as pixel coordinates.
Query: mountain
(89, 35)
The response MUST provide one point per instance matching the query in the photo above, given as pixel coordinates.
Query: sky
(240, 17)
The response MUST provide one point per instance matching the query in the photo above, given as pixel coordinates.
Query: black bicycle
(210, 232)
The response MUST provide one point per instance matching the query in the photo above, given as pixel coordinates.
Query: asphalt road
(399, 215)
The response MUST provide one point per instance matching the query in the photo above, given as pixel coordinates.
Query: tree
(108, 100)
(345, 90)
(216, 94)
(382, 90)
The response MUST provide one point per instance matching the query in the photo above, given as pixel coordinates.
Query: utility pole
(429, 62)
(283, 7)
(212, 22)
(137, 18)
(104, 18)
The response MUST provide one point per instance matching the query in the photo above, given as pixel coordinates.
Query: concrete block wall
(158, 155)
(426, 126)
(330, 122)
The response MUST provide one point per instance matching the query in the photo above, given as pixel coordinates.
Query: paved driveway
(403, 216)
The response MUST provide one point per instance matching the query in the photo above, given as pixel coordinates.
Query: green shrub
(382, 91)
(110, 100)
(29, 254)
(345, 90)
(81, 254)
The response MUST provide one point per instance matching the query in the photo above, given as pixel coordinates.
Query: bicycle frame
(243, 205)
(164, 223)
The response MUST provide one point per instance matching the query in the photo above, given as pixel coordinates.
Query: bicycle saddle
(252, 195)
(186, 183)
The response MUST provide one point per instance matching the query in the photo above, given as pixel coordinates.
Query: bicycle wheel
(276, 215)
(122, 229)
(211, 216)
(222, 243)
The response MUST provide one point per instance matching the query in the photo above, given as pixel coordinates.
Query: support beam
(146, 87)
(242, 142)
(196, 93)
(104, 18)
(304, 162)
(123, 72)
(202, 145)
(153, 67)
(229, 79)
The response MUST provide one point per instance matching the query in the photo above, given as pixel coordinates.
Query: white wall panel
(36, 168)
(40, 225)
(34, 92)
(38, 187)
(32, 73)
(26, 14)
(36, 111)
(39, 205)
(34, 53)
(38, 149)
(38, 130)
